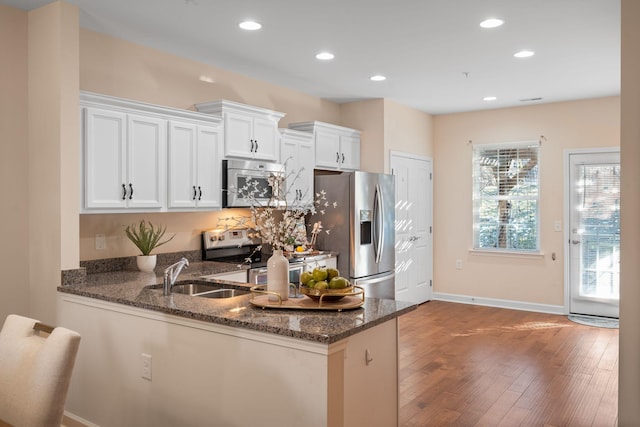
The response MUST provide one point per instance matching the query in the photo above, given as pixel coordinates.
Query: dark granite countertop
(135, 289)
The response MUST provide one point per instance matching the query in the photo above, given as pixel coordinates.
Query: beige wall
(368, 117)
(578, 124)
(53, 151)
(388, 126)
(629, 388)
(14, 226)
(119, 68)
(407, 130)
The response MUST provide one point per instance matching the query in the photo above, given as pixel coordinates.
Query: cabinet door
(289, 157)
(182, 167)
(238, 135)
(209, 167)
(104, 159)
(327, 150)
(306, 164)
(265, 135)
(350, 152)
(146, 146)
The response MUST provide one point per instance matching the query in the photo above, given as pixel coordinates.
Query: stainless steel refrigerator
(362, 228)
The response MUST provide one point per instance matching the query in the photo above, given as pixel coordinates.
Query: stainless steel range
(230, 245)
(237, 246)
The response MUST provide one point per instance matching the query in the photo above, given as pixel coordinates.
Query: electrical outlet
(458, 264)
(146, 366)
(101, 242)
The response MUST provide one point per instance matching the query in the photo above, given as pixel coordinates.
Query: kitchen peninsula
(153, 360)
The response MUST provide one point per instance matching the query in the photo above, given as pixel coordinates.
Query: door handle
(575, 242)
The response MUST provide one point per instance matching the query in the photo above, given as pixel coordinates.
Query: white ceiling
(435, 56)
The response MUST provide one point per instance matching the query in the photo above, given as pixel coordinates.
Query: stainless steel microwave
(263, 180)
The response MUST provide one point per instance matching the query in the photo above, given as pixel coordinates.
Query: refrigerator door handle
(377, 279)
(379, 223)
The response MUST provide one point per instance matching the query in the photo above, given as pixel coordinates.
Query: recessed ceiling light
(325, 56)
(377, 78)
(524, 54)
(250, 25)
(489, 98)
(491, 23)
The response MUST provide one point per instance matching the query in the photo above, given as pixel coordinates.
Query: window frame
(478, 197)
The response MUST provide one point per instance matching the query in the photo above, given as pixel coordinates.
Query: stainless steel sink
(206, 290)
(223, 293)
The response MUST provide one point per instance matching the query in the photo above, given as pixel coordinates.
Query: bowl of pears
(324, 284)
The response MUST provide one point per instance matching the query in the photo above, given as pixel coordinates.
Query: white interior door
(594, 233)
(414, 237)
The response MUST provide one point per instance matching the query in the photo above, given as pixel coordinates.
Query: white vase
(146, 263)
(278, 276)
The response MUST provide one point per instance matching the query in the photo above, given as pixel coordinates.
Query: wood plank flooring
(466, 365)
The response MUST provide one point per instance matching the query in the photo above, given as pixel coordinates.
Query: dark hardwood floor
(465, 365)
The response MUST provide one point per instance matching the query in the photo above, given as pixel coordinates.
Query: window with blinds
(506, 196)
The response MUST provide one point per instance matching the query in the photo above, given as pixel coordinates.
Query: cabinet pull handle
(337, 157)
(256, 145)
(194, 193)
(124, 192)
(200, 193)
(252, 145)
(130, 191)
(342, 157)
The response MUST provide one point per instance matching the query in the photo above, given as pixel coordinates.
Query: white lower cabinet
(194, 166)
(330, 262)
(233, 276)
(297, 153)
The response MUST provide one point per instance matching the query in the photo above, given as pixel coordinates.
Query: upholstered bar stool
(36, 362)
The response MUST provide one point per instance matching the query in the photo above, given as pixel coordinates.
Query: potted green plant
(146, 237)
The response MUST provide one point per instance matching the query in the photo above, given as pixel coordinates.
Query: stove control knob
(221, 237)
(213, 238)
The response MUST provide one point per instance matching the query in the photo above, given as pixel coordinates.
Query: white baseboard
(500, 303)
(71, 420)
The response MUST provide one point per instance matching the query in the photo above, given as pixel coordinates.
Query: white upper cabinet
(298, 155)
(125, 145)
(249, 132)
(336, 147)
(124, 157)
(194, 166)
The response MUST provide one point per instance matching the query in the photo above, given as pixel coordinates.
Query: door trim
(567, 214)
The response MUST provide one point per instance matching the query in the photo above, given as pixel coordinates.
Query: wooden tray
(260, 298)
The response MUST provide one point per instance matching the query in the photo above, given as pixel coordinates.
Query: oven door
(257, 178)
(258, 276)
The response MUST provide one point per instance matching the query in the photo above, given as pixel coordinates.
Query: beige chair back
(35, 371)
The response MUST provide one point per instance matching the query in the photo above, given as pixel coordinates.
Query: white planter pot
(146, 263)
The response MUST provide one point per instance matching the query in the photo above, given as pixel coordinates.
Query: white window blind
(506, 196)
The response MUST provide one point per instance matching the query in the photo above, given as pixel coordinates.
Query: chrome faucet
(171, 274)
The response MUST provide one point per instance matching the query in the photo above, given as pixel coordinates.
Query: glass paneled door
(594, 233)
